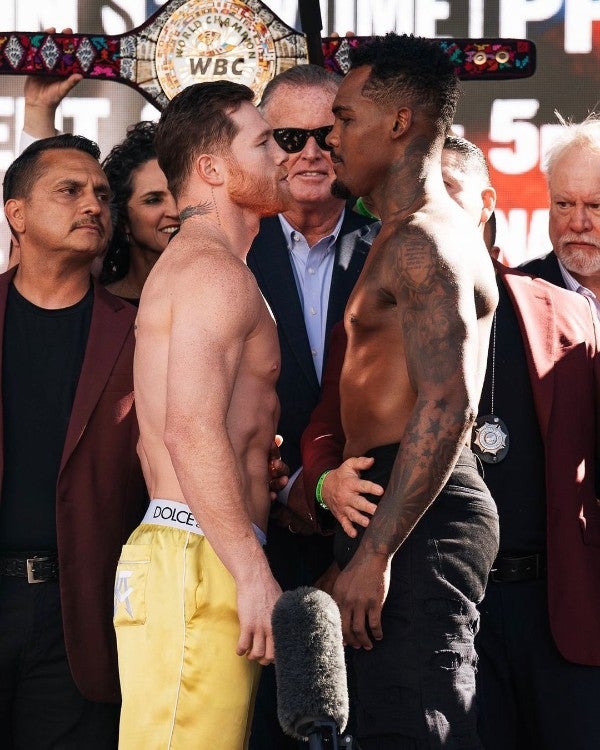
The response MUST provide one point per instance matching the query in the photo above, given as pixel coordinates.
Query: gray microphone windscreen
(309, 660)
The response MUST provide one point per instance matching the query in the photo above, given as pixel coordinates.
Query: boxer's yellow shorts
(183, 685)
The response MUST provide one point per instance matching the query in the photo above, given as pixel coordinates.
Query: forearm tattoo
(429, 449)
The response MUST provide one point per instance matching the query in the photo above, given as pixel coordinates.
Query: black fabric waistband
(512, 568)
(386, 455)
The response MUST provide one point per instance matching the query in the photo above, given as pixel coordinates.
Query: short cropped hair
(474, 157)
(301, 76)
(26, 169)
(409, 66)
(584, 135)
(197, 120)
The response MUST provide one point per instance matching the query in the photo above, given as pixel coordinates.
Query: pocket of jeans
(130, 585)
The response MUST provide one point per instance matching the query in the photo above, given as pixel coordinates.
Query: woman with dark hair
(143, 211)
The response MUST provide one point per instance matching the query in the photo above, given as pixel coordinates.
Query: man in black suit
(306, 262)
(573, 172)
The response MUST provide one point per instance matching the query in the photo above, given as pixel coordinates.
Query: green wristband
(319, 490)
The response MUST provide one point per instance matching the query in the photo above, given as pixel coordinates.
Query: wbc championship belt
(189, 41)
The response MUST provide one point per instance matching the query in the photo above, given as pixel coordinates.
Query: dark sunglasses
(293, 140)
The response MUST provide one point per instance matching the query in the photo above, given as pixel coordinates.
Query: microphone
(312, 692)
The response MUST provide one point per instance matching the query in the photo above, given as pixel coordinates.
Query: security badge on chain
(490, 442)
(490, 434)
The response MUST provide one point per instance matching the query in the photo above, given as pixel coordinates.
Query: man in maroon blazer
(573, 174)
(539, 639)
(72, 488)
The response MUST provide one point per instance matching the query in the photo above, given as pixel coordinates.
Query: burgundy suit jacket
(100, 493)
(323, 439)
(559, 330)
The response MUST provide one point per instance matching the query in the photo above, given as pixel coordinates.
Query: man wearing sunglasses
(306, 262)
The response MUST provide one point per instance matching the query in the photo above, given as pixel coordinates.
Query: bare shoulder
(206, 280)
(415, 246)
(440, 250)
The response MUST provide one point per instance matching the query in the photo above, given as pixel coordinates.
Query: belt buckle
(30, 572)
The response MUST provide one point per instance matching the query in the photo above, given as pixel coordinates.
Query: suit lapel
(350, 253)
(5, 280)
(270, 262)
(553, 272)
(546, 268)
(532, 302)
(109, 328)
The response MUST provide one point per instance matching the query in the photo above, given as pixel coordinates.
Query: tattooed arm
(439, 327)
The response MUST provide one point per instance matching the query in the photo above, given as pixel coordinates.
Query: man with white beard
(573, 173)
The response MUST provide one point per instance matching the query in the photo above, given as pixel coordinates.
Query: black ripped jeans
(416, 688)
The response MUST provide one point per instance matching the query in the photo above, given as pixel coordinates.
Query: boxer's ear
(402, 122)
(211, 169)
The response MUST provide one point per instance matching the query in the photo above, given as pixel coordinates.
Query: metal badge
(490, 439)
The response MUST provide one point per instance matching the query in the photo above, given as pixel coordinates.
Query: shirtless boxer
(418, 325)
(194, 592)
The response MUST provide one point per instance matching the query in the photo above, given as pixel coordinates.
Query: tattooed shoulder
(416, 258)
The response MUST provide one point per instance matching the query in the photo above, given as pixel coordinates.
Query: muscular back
(206, 364)
(418, 327)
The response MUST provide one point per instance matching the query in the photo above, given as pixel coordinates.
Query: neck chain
(493, 378)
